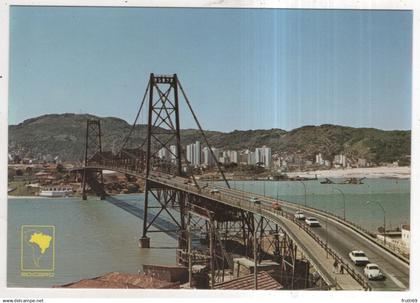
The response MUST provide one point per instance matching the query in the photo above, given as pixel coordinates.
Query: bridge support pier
(95, 181)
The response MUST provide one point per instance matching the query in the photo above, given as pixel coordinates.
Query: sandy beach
(400, 172)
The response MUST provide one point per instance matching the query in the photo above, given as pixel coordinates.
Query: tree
(60, 168)
(11, 173)
(29, 170)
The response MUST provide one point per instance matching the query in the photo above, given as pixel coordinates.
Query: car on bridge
(312, 222)
(255, 200)
(299, 215)
(358, 257)
(372, 272)
(214, 190)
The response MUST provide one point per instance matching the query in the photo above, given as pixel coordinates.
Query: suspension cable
(137, 116)
(203, 134)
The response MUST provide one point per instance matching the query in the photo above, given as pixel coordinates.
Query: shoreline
(381, 172)
(23, 197)
(400, 172)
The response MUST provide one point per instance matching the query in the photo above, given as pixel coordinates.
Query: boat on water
(56, 191)
(327, 181)
(347, 181)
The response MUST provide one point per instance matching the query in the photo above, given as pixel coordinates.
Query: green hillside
(63, 135)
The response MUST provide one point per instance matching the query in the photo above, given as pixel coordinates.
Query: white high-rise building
(197, 151)
(194, 153)
(263, 155)
(267, 156)
(251, 158)
(163, 153)
(216, 153)
(233, 156)
(173, 153)
(208, 157)
(189, 152)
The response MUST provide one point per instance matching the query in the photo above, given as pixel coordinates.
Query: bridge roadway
(343, 239)
(339, 237)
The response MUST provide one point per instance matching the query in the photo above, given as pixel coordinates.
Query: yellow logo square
(37, 250)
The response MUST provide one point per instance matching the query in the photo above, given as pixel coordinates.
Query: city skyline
(241, 68)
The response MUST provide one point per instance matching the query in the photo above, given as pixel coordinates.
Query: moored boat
(56, 191)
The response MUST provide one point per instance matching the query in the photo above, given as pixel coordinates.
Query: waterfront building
(340, 160)
(319, 160)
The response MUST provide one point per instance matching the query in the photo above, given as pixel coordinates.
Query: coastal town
(29, 176)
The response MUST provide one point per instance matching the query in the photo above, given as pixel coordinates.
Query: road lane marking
(396, 281)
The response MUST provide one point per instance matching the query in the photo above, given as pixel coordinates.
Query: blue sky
(241, 68)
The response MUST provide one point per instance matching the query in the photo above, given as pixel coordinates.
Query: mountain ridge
(63, 135)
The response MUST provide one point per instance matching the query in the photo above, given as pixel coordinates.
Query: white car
(372, 272)
(358, 257)
(255, 200)
(214, 190)
(312, 222)
(299, 215)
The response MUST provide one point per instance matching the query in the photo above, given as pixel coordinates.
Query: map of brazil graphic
(37, 250)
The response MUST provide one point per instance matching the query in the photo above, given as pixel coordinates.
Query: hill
(63, 135)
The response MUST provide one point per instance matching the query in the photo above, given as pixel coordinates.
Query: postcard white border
(234, 296)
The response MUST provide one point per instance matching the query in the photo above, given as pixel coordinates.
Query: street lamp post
(304, 186)
(264, 187)
(344, 201)
(326, 229)
(383, 209)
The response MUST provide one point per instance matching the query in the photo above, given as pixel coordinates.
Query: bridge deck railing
(332, 253)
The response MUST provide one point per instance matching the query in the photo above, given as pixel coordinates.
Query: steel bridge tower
(93, 152)
(163, 120)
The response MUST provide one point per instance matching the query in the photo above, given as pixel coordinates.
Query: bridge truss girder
(224, 232)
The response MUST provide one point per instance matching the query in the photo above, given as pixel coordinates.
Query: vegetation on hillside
(63, 135)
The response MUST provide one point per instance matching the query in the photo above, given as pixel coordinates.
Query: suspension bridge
(228, 220)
